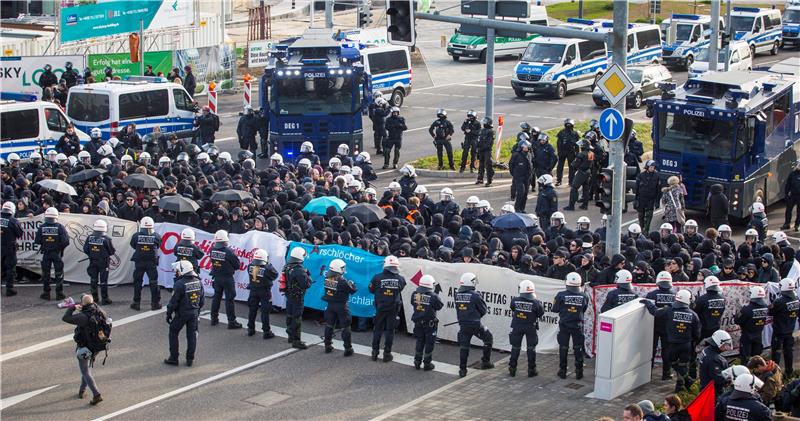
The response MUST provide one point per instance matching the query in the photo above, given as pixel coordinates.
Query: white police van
(36, 126)
(644, 42)
(557, 65)
(791, 25)
(686, 35)
(760, 28)
(390, 68)
(112, 105)
(583, 24)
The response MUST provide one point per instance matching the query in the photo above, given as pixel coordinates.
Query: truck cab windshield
(544, 53)
(314, 95)
(791, 16)
(686, 134)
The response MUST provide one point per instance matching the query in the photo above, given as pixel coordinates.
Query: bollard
(212, 97)
(247, 91)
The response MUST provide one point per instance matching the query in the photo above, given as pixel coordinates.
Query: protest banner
(20, 74)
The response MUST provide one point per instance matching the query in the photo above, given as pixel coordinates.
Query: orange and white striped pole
(247, 97)
(212, 97)
(499, 140)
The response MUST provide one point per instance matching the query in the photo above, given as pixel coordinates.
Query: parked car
(645, 79)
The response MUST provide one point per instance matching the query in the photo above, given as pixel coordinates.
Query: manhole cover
(267, 398)
(574, 386)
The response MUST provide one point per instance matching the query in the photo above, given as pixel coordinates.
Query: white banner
(20, 74)
(258, 52)
(242, 244)
(75, 262)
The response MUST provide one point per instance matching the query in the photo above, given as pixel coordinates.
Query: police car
(791, 25)
(25, 127)
(557, 65)
(760, 28)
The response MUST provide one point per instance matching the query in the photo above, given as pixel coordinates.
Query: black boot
(387, 356)
(417, 363)
(532, 372)
(268, 334)
(375, 353)
(512, 371)
(169, 361)
(430, 366)
(328, 348)
(234, 325)
(486, 365)
(578, 373)
(348, 351)
(135, 306)
(562, 373)
(299, 345)
(10, 292)
(251, 332)
(107, 301)
(214, 319)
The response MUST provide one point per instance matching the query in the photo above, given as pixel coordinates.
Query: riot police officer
(52, 239)
(759, 220)
(343, 153)
(571, 304)
(784, 318)
(525, 313)
(470, 308)
(183, 310)
(744, 402)
(751, 319)
(395, 126)
(712, 363)
(378, 111)
(425, 302)
(710, 307)
(146, 243)
(297, 281)
(99, 249)
(337, 294)
(664, 296)
(262, 275)
(520, 167)
(10, 232)
(247, 129)
(224, 264)
(387, 287)
(471, 128)
(441, 130)
(446, 206)
(544, 156)
(486, 138)
(70, 75)
(683, 329)
(566, 145)
(622, 294)
(186, 249)
(547, 200)
(581, 170)
(307, 152)
(47, 78)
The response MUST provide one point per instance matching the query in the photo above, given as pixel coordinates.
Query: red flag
(702, 407)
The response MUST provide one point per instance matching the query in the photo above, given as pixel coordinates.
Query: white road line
(339, 345)
(625, 224)
(474, 85)
(13, 400)
(458, 83)
(224, 139)
(67, 338)
(200, 383)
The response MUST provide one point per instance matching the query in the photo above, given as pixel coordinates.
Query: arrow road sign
(612, 124)
(615, 85)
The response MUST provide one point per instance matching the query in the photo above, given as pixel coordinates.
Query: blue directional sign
(612, 124)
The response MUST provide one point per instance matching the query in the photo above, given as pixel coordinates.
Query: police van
(146, 102)
(390, 68)
(27, 127)
(583, 24)
(557, 65)
(760, 28)
(644, 42)
(685, 35)
(791, 25)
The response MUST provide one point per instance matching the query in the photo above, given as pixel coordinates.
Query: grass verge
(637, 12)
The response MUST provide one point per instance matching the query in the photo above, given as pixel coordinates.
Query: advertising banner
(121, 63)
(75, 262)
(242, 244)
(20, 74)
(208, 64)
(81, 20)
(361, 267)
(258, 53)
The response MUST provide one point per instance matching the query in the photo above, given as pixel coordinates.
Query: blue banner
(361, 267)
(81, 20)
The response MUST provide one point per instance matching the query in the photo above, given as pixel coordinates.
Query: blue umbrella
(320, 205)
(512, 221)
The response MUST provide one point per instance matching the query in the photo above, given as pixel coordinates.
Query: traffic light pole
(490, 62)
(713, 45)
(619, 52)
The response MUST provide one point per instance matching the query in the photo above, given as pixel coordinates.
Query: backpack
(440, 131)
(97, 333)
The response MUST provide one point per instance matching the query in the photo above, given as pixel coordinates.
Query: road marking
(9, 402)
(224, 139)
(474, 85)
(658, 212)
(357, 348)
(200, 383)
(67, 338)
(460, 83)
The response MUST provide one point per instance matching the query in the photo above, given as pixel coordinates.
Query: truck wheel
(561, 90)
(689, 61)
(519, 93)
(482, 58)
(397, 98)
(774, 50)
(456, 58)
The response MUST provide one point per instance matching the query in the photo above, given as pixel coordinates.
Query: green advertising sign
(91, 19)
(121, 63)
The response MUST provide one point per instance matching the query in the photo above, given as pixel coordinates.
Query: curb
(457, 175)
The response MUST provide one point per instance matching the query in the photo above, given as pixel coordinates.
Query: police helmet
(526, 287)
(100, 226)
(221, 236)
(260, 257)
(144, 158)
(446, 194)
(183, 157)
(225, 157)
(747, 383)
(634, 229)
(337, 266)
(51, 214)
(486, 121)
(276, 159)
(298, 253)
(683, 296)
(525, 126)
(421, 190)
(182, 267)
(721, 338)
(468, 279)
(85, 155)
(427, 281)
(441, 113)
(242, 155)
(408, 170)
(187, 234)
(573, 279)
(343, 149)
(623, 276)
(146, 223)
(9, 207)
(472, 114)
(664, 279)
(569, 122)
(335, 163)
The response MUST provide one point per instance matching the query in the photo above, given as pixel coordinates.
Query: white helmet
(634, 229)
(182, 267)
(583, 220)
(113, 141)
(356, 171)
(787, 284)
(335, 163)
(573, 279)
(472, 201)
(84, 155)
(370, 191)
(35, 155)
(683, 296)
(623, 276)
(307, 147)
(146, 223)
(13, 157)
(343, 149)
(187, 234)
(305, 162)
(664, 277)
(484, 204)
(276, 157)
(391, 262)
(261, 254)
(394, 186)
(711, 283)
(60, 158)
(545, 180)
(337, 266)
(100, 226)
(691, 223)
(446, 194)
(507, 208)
(51, 155)
(105, 162)
(221, 235)
(408, 170)
(421, 190)
(364, 156)
(427, 281)
(557, 216)
(721, 338)
(731, 373)
(724, 228)
(666, 226)
(527, 287)
(225, 157)
(164, 161)
(51, 212)
(8, 207)
(779, 237)
(95, 132)
(124, 159)
(354, 184)
(757, 292)
(751, 233)
(203, 157)
(468, 279)
(758, 207)
(747, 383)
(298, 253)
(145, 157)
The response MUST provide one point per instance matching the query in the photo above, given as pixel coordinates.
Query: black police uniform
(760, 224)
(742, 406)
(224, 264)
(618, 296)
(47, 79)
(387, 287)
(663, 297)
(570, 306)
(521, 171)
(99, 248)
(246, 130)
(648, 193)
(183, 310)
(378, 116)
(470, 308)
(425, 303)
(544, 157)
(566, 145)
(395, 126)
(792, 192)
(580, 168)
(261, 279)
(189, 251)
(448, 209)
(683, 329)
(52, 239)
(751, 319)
(441, 130)
(298, 280)
(784, 318)
(525, 314)
(546, 205)
(407, 186)
(711, 365)
(471, 128)
(337, 294)
(145, 258)
(10, 232)
(486, 139)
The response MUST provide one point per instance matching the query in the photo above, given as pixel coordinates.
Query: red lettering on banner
(165, 238)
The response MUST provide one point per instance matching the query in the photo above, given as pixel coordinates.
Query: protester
(85, 317)
(673, 408)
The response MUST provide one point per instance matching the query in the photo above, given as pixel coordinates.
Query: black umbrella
(364, 212)
(231, 195)
(513, 221)
(177, 204)
(85, 175)
(143, 181)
